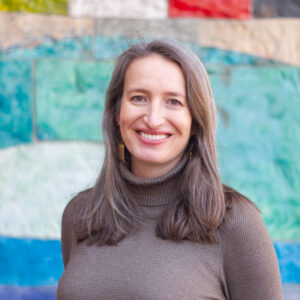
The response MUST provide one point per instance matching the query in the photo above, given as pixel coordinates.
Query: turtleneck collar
(156, 191)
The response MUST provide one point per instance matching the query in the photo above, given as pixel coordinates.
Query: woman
(159, 224)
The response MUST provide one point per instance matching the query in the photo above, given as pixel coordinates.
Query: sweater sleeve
(67, 233)
(249, 265)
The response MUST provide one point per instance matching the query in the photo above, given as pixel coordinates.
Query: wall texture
(56, 59)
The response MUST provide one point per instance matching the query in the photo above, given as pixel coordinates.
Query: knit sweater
(241, 266)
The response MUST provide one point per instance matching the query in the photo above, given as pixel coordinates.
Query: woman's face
(155, 121)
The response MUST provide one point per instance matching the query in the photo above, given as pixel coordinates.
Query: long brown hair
(107, 213)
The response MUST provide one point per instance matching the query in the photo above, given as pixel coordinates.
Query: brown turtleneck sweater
(242, 266)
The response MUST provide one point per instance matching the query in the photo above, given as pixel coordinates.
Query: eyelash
(177, 102)
(140, 98)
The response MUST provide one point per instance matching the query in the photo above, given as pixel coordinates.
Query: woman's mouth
(152, 138)
(155, 137)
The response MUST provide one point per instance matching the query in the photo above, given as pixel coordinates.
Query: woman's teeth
(155, 137)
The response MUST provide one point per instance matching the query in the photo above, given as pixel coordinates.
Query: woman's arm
(249, 265)
(67, 233)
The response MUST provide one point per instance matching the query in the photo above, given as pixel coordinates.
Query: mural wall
(56, 59)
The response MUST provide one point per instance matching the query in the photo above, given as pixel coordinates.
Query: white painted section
(37, 181)
(136, 9)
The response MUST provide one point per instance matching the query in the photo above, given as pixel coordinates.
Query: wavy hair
(107, 213)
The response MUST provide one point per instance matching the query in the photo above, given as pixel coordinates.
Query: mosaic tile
(259, 138)
(36, 6)
(235, 9)
(28, 30)
(70, 99)
(276, 8)
(178, 29)
(137, 9)
(80, 47)
(275, 39)
(15, 103)
(289, 261)
(43, 176)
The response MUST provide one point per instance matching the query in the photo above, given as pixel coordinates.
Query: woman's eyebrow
(144, 91)
(137, 90)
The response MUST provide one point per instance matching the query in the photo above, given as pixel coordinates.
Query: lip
(154, 132)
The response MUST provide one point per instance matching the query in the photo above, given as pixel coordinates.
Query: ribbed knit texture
(242, 266)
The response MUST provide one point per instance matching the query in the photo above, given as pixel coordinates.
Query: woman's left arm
(249, 265)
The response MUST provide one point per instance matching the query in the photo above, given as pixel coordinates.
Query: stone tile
(36, 6)
(29, 292)
(70, 99)
(178, 29)
(259, 138)
(37, 181)
(210, 55)
(137, 9)
(289, 261)
(276, 8)
(236, 9)
(30, 30)
(291, 291)
(77, 47)
(273, 39)
(15, 103)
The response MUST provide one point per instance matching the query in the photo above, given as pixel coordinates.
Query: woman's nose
(154, 116)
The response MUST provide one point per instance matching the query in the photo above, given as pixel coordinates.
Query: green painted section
(259, 140)
(70, 99)
(15, 103)
(79, 47)
(36, 6)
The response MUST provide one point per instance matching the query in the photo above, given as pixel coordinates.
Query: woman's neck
(152, 170)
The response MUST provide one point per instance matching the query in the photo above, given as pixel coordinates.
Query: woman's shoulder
(243, 219)
(76, 201)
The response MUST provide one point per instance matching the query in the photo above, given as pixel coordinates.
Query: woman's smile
(152, 137)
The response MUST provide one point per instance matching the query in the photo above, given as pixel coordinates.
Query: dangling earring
(191, 151)
(122, 153)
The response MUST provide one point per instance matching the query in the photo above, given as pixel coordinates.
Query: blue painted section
(27, 293)
(15, 103)
(79, 47)
(28, 262)
(289, 261)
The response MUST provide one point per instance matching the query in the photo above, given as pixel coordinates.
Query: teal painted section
(225, 57)
(107, 47)
(70, 99)
(15, 103)
(79, 47)
(259, 140)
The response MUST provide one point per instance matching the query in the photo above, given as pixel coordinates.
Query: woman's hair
(106, 213)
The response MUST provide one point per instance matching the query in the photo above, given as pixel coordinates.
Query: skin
(155, 121)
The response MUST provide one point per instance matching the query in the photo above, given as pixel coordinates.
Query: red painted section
(233, 9)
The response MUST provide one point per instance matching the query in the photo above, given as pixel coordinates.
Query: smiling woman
(180, 233)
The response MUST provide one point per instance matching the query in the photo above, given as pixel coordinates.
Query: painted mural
(54, 71)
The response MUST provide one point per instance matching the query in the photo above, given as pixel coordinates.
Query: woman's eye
(138, 99)
(175, 102)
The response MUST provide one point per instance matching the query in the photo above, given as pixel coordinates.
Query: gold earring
(122, 152)
(191, 151)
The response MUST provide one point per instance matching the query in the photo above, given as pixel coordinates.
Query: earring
(122, 152)
(191, 151)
